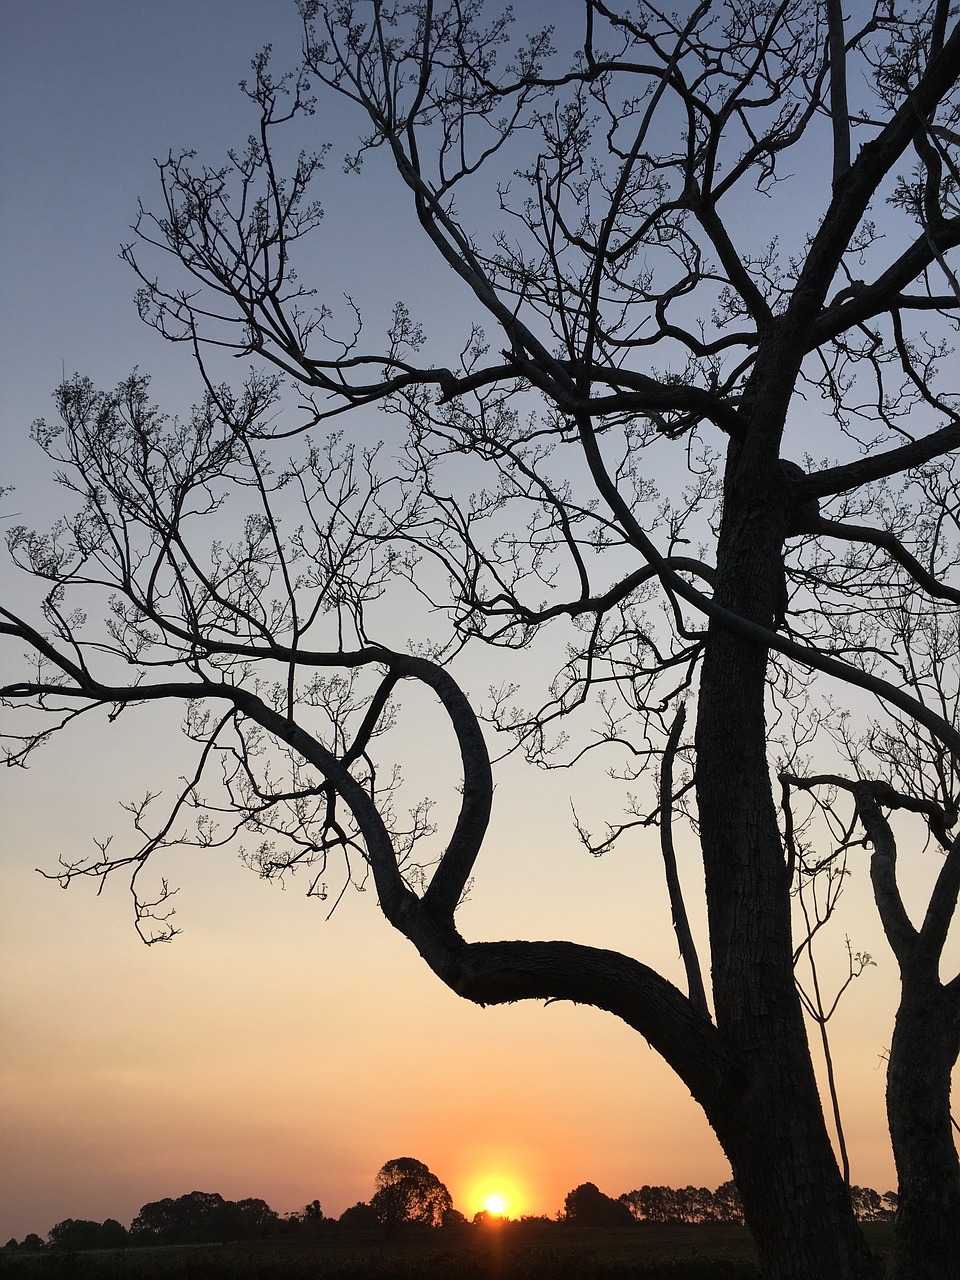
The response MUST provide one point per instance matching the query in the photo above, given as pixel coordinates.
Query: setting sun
(496, 1194)
(501, 1181)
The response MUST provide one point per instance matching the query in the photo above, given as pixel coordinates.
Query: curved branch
(502, 972)
(888, 542)
(487, 973)
(879, 466)
(897, 925)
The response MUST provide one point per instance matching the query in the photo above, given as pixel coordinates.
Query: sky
(269, 1051)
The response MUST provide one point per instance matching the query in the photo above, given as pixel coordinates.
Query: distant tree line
(684, 1204)
(200, 1217)
(406, 1194)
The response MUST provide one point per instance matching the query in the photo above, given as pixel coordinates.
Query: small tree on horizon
(312, 1216)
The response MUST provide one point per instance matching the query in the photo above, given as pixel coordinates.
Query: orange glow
(497, 1194)
(520, 1174)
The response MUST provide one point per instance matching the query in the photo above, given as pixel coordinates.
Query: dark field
(652, 1252)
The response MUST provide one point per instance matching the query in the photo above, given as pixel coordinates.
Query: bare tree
(657, 301)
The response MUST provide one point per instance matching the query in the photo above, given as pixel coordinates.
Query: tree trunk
(773, 1130)
(795, 1201)
(926, 1041)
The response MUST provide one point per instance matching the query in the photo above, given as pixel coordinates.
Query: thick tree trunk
(795, 1201)
(924, 1049)
(773, 1131)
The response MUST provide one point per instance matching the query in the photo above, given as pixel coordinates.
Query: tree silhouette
(587, 1206)
(187, 1218)
(727, 1203)
(360, 1215)
(311, 1216)
(80, 1233)
(203, 1216)
(685, 1204)
(407, 1193)
(656, 302)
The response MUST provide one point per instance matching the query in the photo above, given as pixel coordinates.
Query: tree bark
(926, 1041)
(795, 1201)
(773, 1131)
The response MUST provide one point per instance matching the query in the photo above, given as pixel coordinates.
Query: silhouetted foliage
(871, 1206)
(407, 1192)
(359, 1216)
(203, 1216)
(186, 1218)
(409, 1187)
(685, 1204)
(650, 1204)
(80, 1233)
(254, 1217)
(587, 1206)
(310, 1217)
(726, 1199)
(699, 1204)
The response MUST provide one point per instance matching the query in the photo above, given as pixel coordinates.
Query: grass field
(649, 1252)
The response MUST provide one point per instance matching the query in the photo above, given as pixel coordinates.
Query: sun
(499, 1196)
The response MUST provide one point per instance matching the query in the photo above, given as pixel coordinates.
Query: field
(649, 1252)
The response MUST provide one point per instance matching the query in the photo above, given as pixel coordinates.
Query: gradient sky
(268, 1052)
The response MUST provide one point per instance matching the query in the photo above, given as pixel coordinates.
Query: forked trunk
(924, 1049)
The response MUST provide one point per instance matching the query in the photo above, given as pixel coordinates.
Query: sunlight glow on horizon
(497, 1194)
